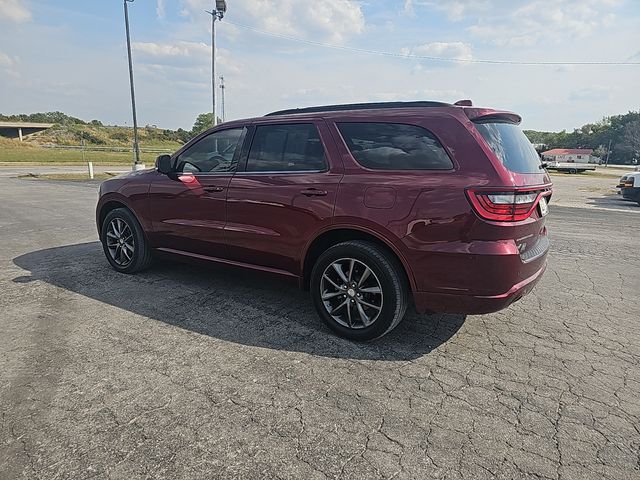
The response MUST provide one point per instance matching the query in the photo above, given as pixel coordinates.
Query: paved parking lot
(189, 372)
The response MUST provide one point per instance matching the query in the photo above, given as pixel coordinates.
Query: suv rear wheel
(359, 290)
(123, 242)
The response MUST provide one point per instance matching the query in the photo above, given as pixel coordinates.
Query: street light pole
(213, 68)
(222, 87)
(136, 149)
(219, 9)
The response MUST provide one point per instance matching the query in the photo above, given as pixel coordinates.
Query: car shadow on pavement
(615, 202)
(231, 304)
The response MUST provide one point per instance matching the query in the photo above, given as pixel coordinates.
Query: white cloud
(160, 9)
(180, 59)
(446, 50)
(408, 8)
(14, 11)
(328, 20)
(522, 24)
(9, 65)
(458, 10)
(167, 50)
(517, 25)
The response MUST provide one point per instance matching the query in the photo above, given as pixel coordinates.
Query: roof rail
(359, 106)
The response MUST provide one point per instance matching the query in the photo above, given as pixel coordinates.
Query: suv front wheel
(124, 243)
(359, 290)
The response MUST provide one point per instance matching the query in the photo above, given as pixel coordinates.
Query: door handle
(213, 189)
(313, 192)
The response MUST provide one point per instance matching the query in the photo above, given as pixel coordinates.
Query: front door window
(214, 153)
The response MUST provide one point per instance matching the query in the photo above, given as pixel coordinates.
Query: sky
(71, 56)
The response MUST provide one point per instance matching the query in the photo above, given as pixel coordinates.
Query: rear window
(511, 146)
(394, 146)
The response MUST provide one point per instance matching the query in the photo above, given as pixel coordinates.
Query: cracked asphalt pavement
(192, 372)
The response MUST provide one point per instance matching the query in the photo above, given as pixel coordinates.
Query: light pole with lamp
(137, 165)
(220, 8)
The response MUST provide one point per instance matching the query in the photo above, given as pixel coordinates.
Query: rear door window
(511, 146)
(394, 146)
(286, 148)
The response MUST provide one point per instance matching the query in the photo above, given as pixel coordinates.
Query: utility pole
(606, 163)
(219, 9)
(222, 115)
(136, 149)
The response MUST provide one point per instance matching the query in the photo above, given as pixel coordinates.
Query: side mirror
(163, 164)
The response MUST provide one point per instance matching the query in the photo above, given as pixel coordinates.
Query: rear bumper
(475, 304)
(631, 193)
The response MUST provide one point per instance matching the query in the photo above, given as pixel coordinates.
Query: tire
(132, 256)
(573, 171)
(366, 315)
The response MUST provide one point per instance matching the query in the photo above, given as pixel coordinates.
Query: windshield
(511, 146)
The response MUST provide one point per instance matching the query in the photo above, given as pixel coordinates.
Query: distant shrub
(121, 136)
(89, 137)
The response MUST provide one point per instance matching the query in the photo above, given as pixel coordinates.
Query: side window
(286, 148)
(211, 154)
(394, 146)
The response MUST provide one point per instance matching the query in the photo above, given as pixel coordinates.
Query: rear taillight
(505, 206)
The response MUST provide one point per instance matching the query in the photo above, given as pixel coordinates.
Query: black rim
(120, 242)
(351, 293)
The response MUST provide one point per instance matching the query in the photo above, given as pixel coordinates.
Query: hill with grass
(68, 130)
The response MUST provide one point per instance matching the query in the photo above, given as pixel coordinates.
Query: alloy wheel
(120, 242)
(351, 293)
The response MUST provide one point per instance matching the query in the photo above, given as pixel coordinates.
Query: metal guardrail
(107, 148)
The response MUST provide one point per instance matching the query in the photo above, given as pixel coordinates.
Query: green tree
(629, 142)
(614, 129)
(46, 117)
(203, 122)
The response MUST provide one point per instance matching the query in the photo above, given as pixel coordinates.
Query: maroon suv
(363, 204)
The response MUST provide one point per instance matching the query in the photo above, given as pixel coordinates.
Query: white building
(569, 155)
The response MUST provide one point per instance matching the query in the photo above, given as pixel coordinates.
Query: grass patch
(68, 176)
(74, 134)
(50, 156)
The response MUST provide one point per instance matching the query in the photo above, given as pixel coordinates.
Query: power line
(417, 57)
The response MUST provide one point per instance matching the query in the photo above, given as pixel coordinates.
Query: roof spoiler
(482, 115)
